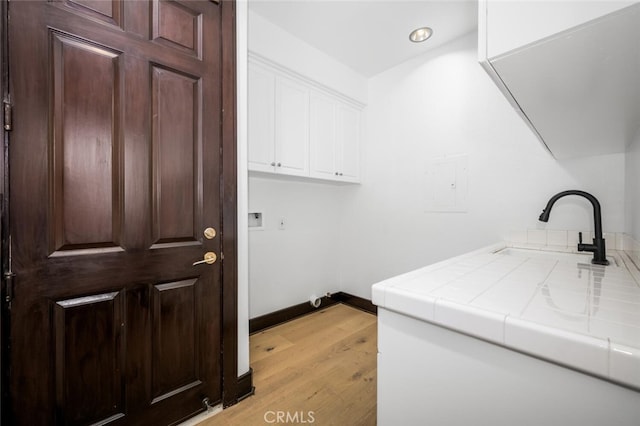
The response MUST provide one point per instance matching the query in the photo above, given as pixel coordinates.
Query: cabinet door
(261, 133)
(322, 137)
(348, 142)
(292, 128)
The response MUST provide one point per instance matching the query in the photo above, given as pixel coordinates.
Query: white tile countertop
(548, 302)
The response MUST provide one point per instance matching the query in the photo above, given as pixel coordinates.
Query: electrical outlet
(281, 223)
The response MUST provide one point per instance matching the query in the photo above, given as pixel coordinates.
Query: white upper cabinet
(296, 128)
(278, 124)
(261, 117)
(335, 140)
(348, 144)
(322, 137)
(292, 128)
(570, 69)
(511, 25)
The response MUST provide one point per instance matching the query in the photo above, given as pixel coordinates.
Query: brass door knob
(209, 258)
(209, 233)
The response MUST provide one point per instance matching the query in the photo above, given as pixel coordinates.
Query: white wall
(443, 103)
(241, 129)
(288, 265)
(274, 43)
(632, 193)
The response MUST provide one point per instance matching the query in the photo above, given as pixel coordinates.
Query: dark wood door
(115, 173)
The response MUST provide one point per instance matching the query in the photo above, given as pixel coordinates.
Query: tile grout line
(497, 282)
(538, 288)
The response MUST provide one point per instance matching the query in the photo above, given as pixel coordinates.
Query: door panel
(89, 357)
(175, 145)
(109, 11)
(115, 173)
(85, 168)
(174, 338)
(177, 26)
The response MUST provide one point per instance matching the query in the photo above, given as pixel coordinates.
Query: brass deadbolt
(209, 233)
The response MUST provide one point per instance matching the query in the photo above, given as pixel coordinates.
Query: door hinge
(8, 115)
(8, 280)
(8, 277)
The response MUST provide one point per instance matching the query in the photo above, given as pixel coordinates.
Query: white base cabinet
(297, 128)
(431, 375)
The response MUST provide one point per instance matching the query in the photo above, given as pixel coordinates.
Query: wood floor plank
(321, 367)
(263, 346)
(321, 359)
(355, 322)
(316, 323)
(306, 345)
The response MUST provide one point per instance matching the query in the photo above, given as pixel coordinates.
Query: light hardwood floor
(320, 369)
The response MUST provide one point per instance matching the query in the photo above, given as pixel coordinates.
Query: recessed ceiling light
(420, 34)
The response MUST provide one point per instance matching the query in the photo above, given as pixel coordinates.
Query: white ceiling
(370, 36)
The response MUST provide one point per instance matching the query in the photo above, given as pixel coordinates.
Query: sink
(550, 254)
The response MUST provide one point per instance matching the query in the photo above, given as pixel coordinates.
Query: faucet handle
(579, 237)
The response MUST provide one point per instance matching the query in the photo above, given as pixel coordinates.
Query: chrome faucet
(597, 247)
